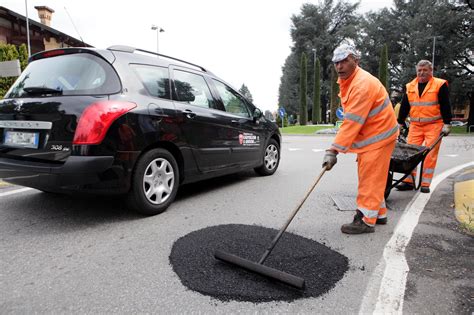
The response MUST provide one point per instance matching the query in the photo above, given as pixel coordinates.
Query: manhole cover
(344, 203)
(192, 258)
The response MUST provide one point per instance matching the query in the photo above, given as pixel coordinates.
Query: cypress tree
(334, 97)
(317, 92)
(303, 90)
(383, 66)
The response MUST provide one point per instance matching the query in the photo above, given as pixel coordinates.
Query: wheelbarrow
(405, 159)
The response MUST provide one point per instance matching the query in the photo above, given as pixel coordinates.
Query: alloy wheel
(158, 181)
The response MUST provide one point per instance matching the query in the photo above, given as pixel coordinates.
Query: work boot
(405, 186)
(425, 189)
(381, 221)
(357, 226)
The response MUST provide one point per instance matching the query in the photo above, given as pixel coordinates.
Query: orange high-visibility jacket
(425, 108)
(369, 120)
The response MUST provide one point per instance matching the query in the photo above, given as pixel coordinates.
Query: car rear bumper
(75, 172)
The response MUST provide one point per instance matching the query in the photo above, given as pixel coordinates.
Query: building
(42, 35)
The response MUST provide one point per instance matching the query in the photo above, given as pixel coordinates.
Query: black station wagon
(127, 121)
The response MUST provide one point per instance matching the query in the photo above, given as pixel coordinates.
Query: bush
(11, 52)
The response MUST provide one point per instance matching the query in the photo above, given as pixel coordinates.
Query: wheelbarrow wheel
(388, 186)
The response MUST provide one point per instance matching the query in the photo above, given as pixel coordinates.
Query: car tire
(271, 159)
(155, 182)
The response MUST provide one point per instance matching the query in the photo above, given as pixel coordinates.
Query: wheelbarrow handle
(441, 135)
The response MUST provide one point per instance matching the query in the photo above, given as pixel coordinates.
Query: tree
(408, 30)
(334, 97)
(23, 56)
(320, 26)
(383, 67)
(303, 90)
(268, 115)
(379, 29)
(288, 90)
(317, 93)
(244, 90)
(411, 28)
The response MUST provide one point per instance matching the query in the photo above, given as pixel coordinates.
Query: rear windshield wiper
(41, 90)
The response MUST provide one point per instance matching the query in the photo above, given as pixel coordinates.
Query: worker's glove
(330, 159)
(446, 130)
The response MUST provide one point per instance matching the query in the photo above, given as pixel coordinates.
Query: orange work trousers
(425, 134)
(373, 172)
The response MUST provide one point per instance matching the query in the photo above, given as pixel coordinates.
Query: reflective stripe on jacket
(369, 120)
(425, 108)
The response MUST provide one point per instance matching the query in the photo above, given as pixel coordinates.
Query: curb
(464, 198)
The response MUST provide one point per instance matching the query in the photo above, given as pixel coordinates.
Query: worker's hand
(446, 130)
(330, 159)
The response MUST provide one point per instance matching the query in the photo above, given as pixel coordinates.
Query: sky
(242, 42)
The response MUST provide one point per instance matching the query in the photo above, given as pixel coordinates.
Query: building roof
(6, 13)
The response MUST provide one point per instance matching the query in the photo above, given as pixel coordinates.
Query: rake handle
(293, 214)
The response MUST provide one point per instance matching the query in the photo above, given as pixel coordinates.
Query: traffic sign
(281, 111)
(340, 113)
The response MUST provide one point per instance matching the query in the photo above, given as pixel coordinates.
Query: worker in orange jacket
(427, 102)
(370, 130)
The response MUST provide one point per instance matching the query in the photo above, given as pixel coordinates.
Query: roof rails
(130, 49)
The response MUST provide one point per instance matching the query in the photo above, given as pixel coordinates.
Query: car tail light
(52, 53)
(96, 120)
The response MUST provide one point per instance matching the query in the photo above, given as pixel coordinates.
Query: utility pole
(27, 29)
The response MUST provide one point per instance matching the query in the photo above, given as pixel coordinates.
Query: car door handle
(234, 121)
(189, 113)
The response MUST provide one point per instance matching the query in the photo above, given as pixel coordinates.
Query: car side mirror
(257, 114)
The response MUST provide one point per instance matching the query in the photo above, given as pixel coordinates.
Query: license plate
(21, 139)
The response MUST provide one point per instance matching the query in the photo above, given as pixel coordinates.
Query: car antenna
(72, 22)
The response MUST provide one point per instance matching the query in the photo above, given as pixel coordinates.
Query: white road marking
(390, 296)
(300, 149)
(452, 155)
(15, 191)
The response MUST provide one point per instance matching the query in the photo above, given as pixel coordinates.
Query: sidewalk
(440, 256)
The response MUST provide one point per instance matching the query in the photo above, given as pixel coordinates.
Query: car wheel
(271, 159)
(155, 182)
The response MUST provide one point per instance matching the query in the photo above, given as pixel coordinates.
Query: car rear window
(72, 74)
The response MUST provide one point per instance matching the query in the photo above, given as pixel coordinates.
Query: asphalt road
(91, 255)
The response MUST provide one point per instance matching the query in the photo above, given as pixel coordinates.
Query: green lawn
(303, 130)
(311, 129)
(461, 130)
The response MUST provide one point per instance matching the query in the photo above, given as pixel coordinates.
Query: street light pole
(158, 31)
(434, 45)
(27, 29)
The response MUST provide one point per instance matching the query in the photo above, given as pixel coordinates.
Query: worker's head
(424, 71)
(345, 59)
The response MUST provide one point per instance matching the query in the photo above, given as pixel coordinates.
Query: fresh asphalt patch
(192, 258)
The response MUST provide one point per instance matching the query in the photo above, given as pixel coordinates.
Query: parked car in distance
(127, 121)
(458, 123)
